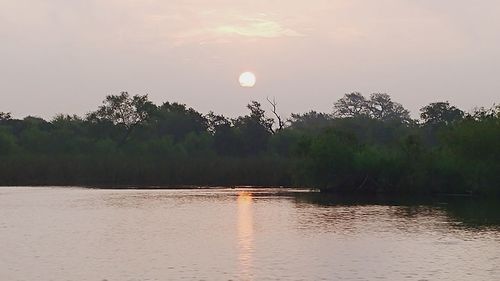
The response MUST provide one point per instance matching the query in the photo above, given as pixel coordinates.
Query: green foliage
(253, 131)
(365, 146)
(379, 107)
(5, 116)
(328, 159)
(310, 121)
(124, 110)
(351, 105)
(8, 143)
(440, 113)
(177, 120)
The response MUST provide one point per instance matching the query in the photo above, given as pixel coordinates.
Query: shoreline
(345, 194)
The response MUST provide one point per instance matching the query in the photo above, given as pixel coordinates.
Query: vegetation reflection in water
(244, 234)
(462, 211)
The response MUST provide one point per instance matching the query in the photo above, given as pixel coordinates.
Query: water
(236, 234)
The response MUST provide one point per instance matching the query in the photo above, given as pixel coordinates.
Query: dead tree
(273, 103)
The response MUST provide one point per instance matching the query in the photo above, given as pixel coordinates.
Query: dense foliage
(365, 145)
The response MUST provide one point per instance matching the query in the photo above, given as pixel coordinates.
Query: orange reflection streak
(245, 235)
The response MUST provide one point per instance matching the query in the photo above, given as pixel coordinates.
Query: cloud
(216, 29)
(257, 28)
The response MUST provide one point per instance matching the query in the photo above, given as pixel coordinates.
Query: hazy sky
(64, 56)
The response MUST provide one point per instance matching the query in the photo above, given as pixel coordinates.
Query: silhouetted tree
(225, 140)
(311, 120)
(483, 113)
(381, 107)
(258, 115)
(440, 113)
(372, 150)
(4, 116)
(177, 120)
(351, 105)
(254, 129)
(216, 121)
(124, 110)
(274, 104)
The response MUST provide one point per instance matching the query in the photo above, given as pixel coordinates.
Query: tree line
(365, 145)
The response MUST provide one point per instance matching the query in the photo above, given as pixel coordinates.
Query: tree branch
(274, 104)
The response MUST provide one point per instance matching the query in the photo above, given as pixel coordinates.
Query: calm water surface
(242, 234)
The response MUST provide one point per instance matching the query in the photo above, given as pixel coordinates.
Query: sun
(247, 79)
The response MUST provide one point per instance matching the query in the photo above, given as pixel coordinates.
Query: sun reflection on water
(245, 235)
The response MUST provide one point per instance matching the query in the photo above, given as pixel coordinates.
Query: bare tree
(274, 104)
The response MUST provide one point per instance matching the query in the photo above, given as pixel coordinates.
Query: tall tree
(177, 120)
(274, 104)
(124, 110)
(226, 141)
(440, 113)
(351, 105)
(311, 120)
(254, 129)
(258, 116)
(381, 107)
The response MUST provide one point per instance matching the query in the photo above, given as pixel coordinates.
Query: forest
(364, 145)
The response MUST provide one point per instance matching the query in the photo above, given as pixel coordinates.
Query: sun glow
(247, 80)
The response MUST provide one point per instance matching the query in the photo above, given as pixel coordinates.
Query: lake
(242, 234)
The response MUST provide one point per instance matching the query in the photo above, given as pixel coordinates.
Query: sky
(60, 56)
